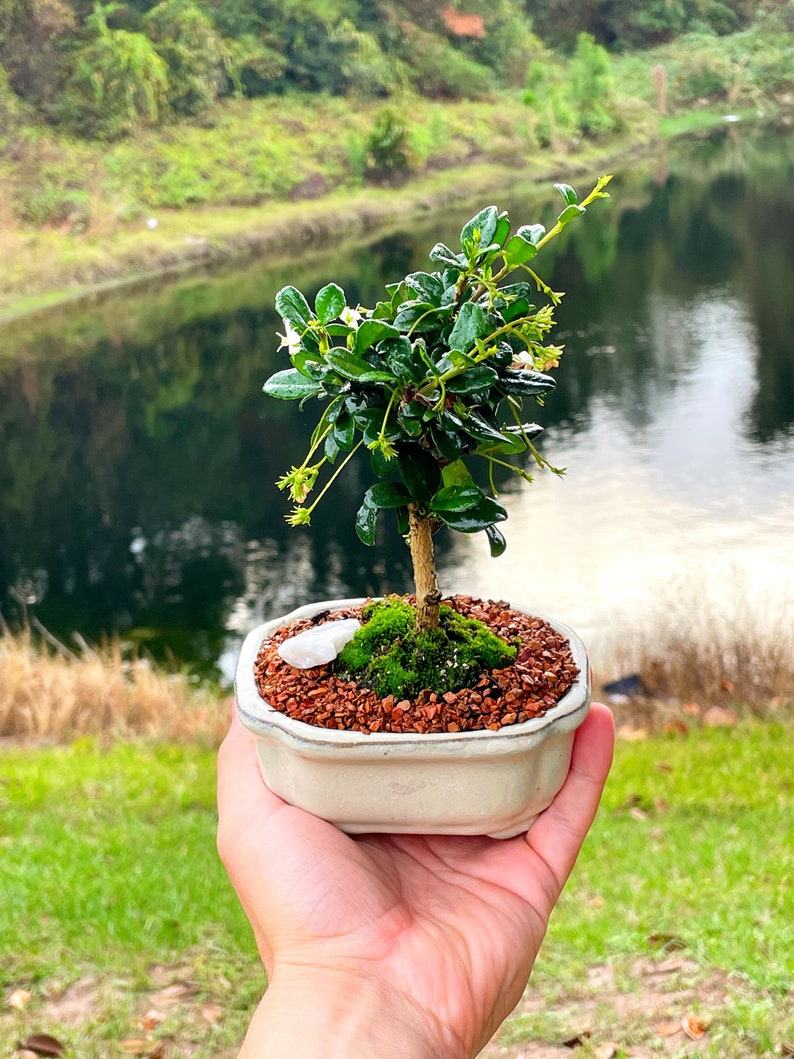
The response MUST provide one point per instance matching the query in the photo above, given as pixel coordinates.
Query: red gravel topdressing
(543, 672)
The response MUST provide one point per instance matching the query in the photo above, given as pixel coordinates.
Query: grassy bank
(265, 179)
(120, 926)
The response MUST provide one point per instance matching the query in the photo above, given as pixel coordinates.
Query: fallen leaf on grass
(211, 1013)
(20, 999)
(694, 1026)
(605, 1051)
(632, 735)
(148, 1048)
(691, 709)
(42, 1044)
(151, 1020)
(577, 1041)
(174, 994)
(676, 727)
(719, 717)
(786, 1048)
(667, 1029)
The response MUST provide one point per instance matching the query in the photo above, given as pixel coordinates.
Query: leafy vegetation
(432, 378)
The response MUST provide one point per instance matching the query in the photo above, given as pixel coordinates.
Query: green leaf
(292, 306)
(524, 383)
(478, 379)
(404, 361)
(569, 214)
(372, 331)
(567, 192)
(290, 385)
(478, 428)
(420, 472)
(344, 431)
(472, 323)
(502, 230)
(457, 473)
(456, 498)
(484, 514)
(366, 523)
(496, 541)
(329, 303)
(421, 316)
(530, 431)
(350, 366)
(429, 287)
(331, 447)
(387, 494)
(477, 233)
(519, 250)
(442, 253)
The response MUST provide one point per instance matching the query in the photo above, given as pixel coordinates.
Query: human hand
(394, 945)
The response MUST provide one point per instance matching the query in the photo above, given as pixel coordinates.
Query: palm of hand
(453, 924)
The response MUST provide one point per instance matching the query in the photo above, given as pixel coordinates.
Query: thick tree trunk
(428, 597)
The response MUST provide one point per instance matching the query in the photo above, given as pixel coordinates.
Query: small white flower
(350, 316)
(523, 359)
(290, 340)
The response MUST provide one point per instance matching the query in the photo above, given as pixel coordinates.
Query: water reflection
(138, 456)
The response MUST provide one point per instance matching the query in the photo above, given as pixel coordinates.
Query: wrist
(313, 1015)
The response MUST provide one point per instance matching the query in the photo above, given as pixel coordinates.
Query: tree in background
(186, 40)
(118, 80)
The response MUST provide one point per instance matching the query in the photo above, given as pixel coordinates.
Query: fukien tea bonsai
(433, 380)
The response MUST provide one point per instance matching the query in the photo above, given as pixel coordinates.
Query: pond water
(138, 455)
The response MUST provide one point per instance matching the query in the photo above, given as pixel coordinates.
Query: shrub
(387, 143)
(186, 41)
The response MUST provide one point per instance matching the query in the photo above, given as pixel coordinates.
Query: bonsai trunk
(428, 597)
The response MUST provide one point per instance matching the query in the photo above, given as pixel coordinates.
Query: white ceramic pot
(467, 783)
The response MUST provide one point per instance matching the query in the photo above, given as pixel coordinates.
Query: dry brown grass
(44, 695)
(697, 654)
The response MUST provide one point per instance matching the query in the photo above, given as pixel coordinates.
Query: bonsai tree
(432, 379)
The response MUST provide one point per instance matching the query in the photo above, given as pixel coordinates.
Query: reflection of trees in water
(166, 445)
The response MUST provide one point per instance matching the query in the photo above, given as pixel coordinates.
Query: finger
(242, 794)
(559, 832)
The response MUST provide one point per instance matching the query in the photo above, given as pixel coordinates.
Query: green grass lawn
(111, 889)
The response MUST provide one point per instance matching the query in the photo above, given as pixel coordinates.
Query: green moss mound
(390, 657)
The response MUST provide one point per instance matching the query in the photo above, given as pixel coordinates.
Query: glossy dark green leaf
(525, 430)
(478, 379)
(349, 366)
(567, 192)
(450, 446)
(472, 323)
(329, 303)
(367, 523)
(481, 429)
(404, 361)
(496, 541)
(456, 498)
(292, 306)
(411, 425)
(381, 467)
(331, 448)
(420, 472)
(420, 316)
(480, 517)
(388, 494)
(525, 383)
(480, 230)
(429, 287)
(445, 256)
(533, 233)
(344, 431)
(290, 385)
(570, 213)
(372, 331)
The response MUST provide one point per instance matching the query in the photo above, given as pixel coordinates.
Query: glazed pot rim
(259, 716)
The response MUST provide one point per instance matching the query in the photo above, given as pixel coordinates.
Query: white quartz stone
(319, 645)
